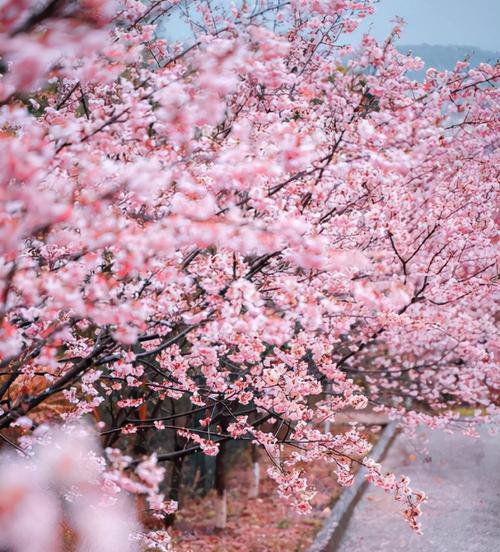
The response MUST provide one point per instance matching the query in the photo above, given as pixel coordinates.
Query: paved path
(462, 480)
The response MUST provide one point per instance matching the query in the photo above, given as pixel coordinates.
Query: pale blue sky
(459, 22)
(456, 22)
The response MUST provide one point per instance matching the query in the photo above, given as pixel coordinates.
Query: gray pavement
(461, 476)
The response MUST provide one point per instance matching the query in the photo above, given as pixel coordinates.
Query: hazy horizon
(432, 22)
(440, 22)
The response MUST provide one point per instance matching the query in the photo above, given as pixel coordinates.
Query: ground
(264, 524)
(460, 474)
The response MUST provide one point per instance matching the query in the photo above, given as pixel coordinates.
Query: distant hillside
(445, 57)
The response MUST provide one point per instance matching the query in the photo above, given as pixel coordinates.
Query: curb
(335, 525)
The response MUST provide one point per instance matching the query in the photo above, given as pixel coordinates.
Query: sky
(458, 22)
(444, 22)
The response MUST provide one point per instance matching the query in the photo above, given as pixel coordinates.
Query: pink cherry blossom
(236, 237)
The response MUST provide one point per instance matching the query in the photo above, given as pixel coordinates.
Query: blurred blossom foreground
(60, 497)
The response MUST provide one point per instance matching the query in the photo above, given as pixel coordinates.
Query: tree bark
(254, 487)
(220, 488)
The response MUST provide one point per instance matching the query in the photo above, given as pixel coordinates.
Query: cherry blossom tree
(239, 235)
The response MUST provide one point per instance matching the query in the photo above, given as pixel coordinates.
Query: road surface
(461, 476)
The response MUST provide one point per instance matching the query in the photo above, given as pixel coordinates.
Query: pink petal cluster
(62, 486)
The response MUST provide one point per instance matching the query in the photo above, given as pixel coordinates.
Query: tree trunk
(220, 488)
(175, 485)
(254, 486)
